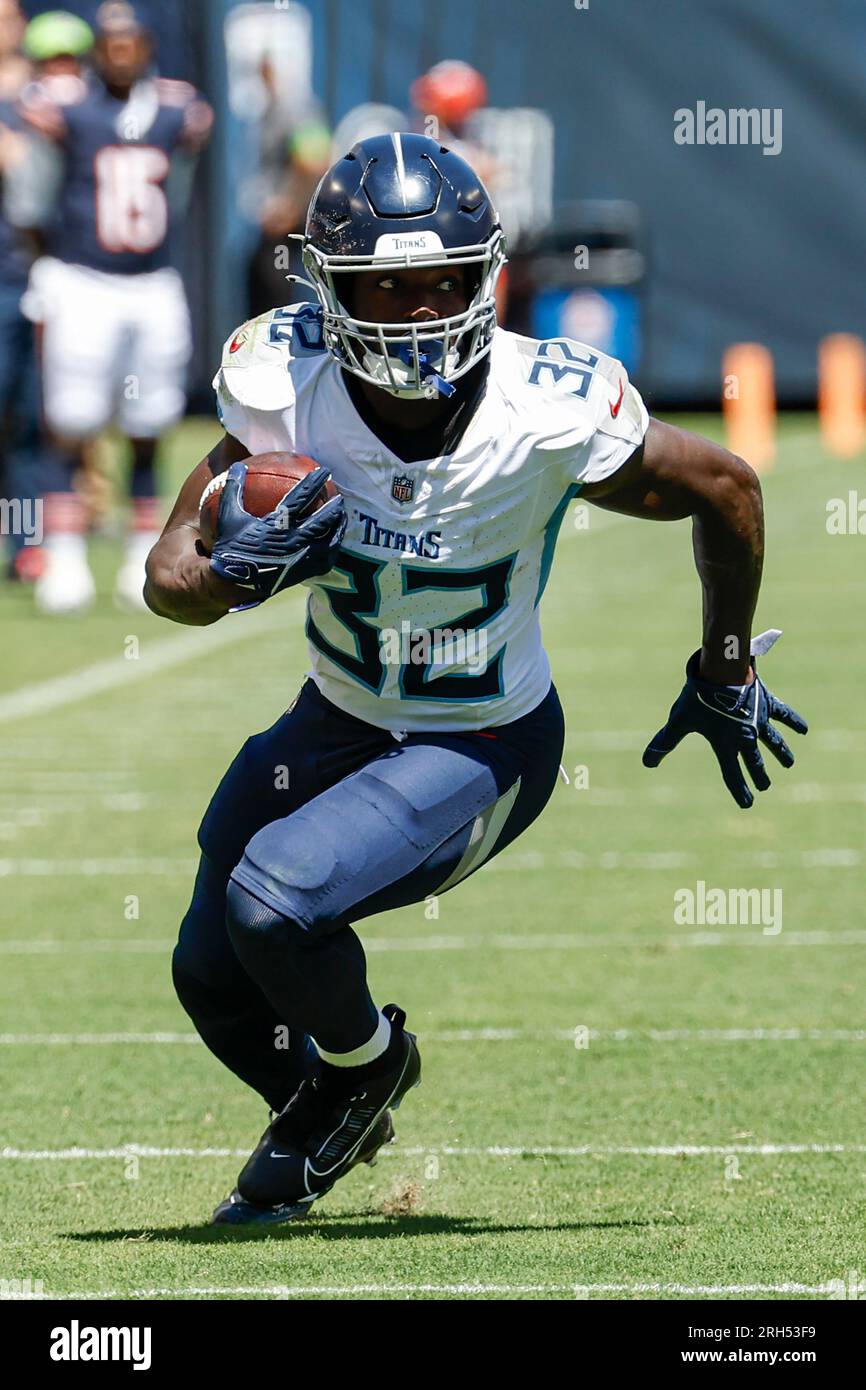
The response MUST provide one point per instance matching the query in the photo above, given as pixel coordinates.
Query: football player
(456, 448)
(115, 325)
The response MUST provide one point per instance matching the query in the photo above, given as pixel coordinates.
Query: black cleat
(235, 1211)
(323, 1133)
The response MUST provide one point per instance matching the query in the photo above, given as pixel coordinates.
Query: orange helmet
(451, 90)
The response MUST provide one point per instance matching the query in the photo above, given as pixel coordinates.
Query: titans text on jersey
(462, 542)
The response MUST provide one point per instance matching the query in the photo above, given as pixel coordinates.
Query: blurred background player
(445, 100)
(115, 328)
(19, 396)
(293, 156)
(446, 103)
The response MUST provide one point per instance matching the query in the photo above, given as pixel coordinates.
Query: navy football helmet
(395, 201)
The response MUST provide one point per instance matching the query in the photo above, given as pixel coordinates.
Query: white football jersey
(430, 618)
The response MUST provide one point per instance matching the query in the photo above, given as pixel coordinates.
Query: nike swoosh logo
(738, 719)
(614, 409)
(273, 1154)
(726, 699)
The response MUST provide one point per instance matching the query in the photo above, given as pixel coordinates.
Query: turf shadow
(360, 1225)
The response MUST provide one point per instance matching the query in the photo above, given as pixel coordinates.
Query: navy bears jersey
(112, 213)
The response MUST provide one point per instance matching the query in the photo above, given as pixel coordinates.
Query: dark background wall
(741, 245)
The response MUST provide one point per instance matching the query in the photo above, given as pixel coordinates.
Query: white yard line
(161, 654)
(661, 861)
(519, 861)
(480, 1035)
(631, 740)
(463, 1290)
(131, 1150)
(730, 936)
(94, 868)
(38, 946)
(60, 800)
(96, 1039)
(797, 793)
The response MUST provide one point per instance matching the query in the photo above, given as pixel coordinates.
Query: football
(269, 478)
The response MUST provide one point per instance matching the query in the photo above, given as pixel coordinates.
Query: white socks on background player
(66, 585)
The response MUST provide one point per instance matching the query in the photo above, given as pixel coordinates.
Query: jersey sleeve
(255, 394)
(587, 417)
(622, 423)
(618, 421)
(47, 105)
(196, 114)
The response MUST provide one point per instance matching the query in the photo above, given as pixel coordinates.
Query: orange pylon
(749, 403)
(842, 393)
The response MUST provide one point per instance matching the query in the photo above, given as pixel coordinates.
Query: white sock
(367, 1052)
(139, 544)
(67, 545)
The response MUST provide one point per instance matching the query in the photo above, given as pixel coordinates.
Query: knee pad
(297, 877)
(258, 933)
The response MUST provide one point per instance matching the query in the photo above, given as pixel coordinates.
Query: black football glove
(732, 718)
(270, 553)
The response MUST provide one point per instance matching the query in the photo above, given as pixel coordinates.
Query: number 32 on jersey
(354, 607)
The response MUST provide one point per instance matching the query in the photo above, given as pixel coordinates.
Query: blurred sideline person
(446, 98)
(58, 44)
(19, 396)
(115, 330)
(293, 159)
(451, 92)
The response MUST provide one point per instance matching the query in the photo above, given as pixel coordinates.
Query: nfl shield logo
(402, 487)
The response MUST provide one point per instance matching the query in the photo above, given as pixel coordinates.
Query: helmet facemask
(411, 360)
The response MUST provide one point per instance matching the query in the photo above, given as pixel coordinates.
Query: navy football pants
(320, 821)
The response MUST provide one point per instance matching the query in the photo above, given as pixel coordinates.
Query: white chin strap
(402, 374)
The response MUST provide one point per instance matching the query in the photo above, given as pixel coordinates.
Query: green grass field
(708, 1140)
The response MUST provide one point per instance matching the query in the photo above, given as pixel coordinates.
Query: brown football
(269, 478)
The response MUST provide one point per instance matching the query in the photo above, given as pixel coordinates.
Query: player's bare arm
(672, 476)
(675, 475)
(181, 585)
